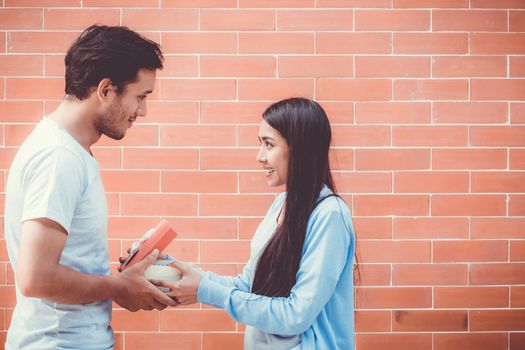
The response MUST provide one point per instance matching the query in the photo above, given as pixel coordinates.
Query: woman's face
(273, 155)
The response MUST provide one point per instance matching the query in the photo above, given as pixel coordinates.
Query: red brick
(430, 43)
(469, 66)
(229, 159)
(497, 89)
(222, 341)
(394, 297)
(392, 113)
(430, 4)
(497, 136)
(79, 19)
(429, 320)
(248, 226)
(478, 341)
(318, 20)
(354, 3)
(131, 181)
(195, 320)
(497, 320)
(7, 297)
(383, 205)
(199, 182)
(237, 20)
(516, 205)
(353, 89)
(224, 251)
(232, 112)
(172, 112)
(392, 20)
(42, 3)
(198, 3)
(151, 158)
(197, 135)
(341, 159)
(274, 89)
(517, 341)
(21, 65)
(351, 182)
(434, 227)
(468, 205)
(20, 111)
(371, 275)
(469, 20)
(276, 3)
(119, 3)
(164, 19)
(469, 112)
(198, 89)
(159, 204)
(429, 274)
(199, 42)
(386, 251)
(20, 19)
(517, 250)
(123, 320)
(468, 158)
(353, 43)
(497, 43)
(40, 42)
(276, 43)
(517, 159)
(470, 251)
(517, 296)
(431, 182)
(505, 182)
(392, 66)
(34, 88)
(497, 228)
(471, 297)
(394, 341)
(506, 4)
(15, 134)
(119, 227)
(234, 205)
(516, 21)
(237, 66)
(315, 66)
(392, 159)
(424, 89)
(517, 66)
(145, 341)
(430, 136)
(372, 227)
(360, 135)
(372, 321)
(497, 274)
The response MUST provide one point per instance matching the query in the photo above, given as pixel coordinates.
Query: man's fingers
(149, 260)
(180, 266)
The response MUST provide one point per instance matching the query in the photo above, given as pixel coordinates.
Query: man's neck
(77, 118)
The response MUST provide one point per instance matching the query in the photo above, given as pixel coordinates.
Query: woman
(296, 291)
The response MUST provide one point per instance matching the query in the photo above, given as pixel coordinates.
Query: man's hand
(134, 292)
(185, 290)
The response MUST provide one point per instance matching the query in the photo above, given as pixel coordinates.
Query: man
(56, 210)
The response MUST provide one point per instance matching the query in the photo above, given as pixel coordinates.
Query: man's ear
(104, 89)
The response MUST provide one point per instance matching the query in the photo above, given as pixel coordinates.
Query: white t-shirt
(53, 177)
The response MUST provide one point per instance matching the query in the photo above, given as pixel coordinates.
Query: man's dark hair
(117, 53)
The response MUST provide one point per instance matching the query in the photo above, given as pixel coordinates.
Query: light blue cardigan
(321, 304)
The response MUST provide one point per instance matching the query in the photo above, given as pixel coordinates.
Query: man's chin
(115, 136)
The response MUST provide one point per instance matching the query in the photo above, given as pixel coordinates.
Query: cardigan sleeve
(325, 253)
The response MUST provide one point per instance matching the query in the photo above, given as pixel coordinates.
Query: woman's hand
(184, 291)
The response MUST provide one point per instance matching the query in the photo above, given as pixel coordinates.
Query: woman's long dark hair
(305, 126)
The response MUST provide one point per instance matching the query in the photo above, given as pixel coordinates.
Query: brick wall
(426, 102)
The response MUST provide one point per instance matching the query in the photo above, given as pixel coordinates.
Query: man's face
(115, 120)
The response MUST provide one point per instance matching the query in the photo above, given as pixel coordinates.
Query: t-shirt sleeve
(52, 182)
